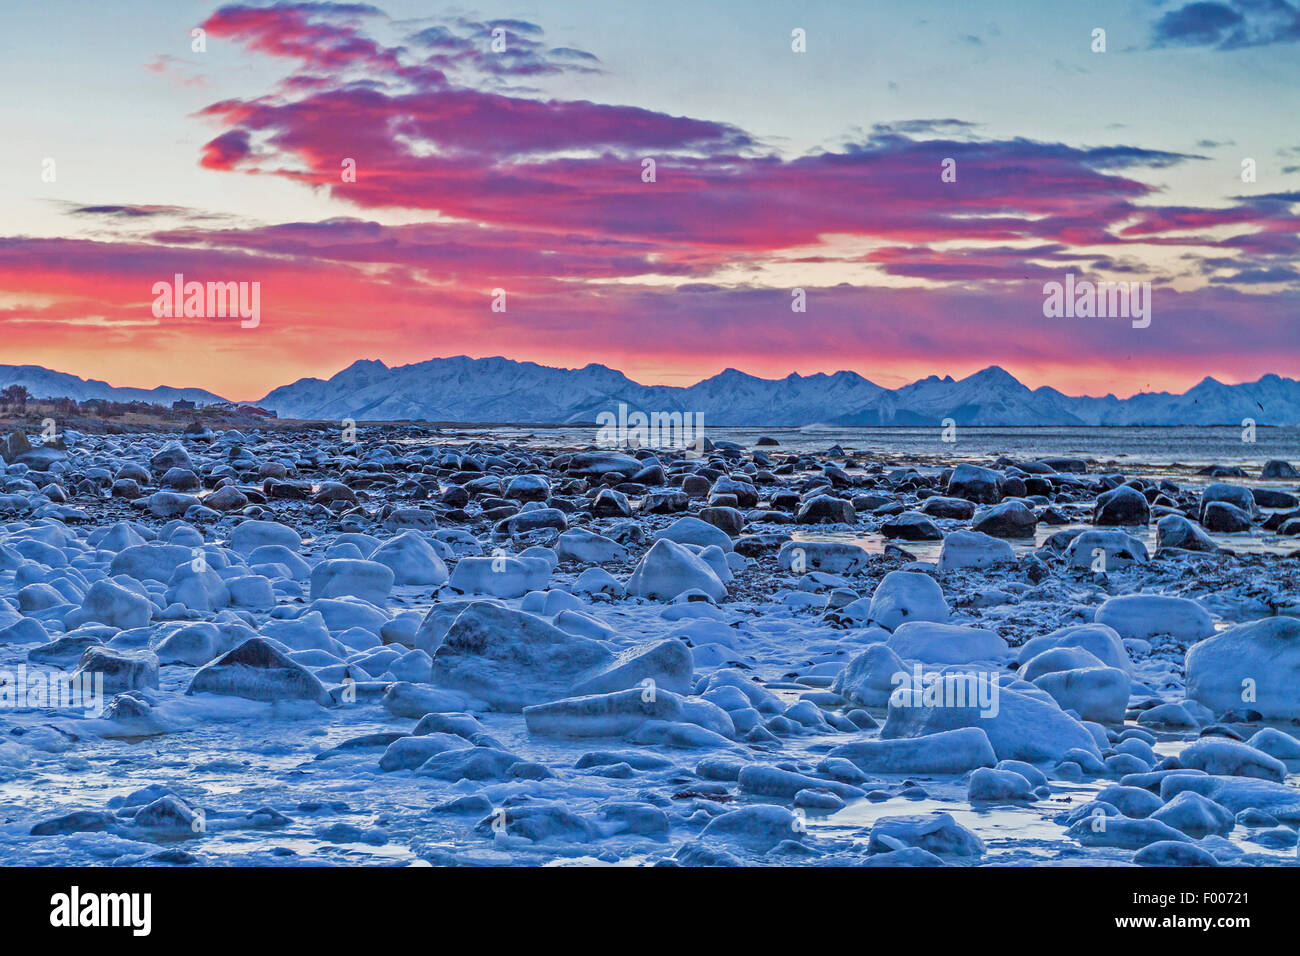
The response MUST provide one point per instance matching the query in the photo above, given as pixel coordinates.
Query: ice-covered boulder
(1175, 531)
(193, 645)
(1099, 640)
(1123, 832)
(434, 625)
(1094, 693)
(665, 665)
(278, 554)
(198, 587)
(872, 676)
(1144, 616)
(602, 715)
(972, 549)
(110, 603)
(1279, 800)
(1253, 666)
(944, 751)
(1275, 743)
(988, 785)
(832, 557)
(412, 559)
(153, 561)
(587, 547)
(1020, 725)
(1195, 815)
(251, 591)
(122, 670)
(595, 581)
(1056, 659)
(404, 699)
(1231, 758)
(691, 530)
(669, 569)
(937, 833)
(946, 643)
(469, 763)
(407, 753)
(511, 659)
(758, 828)
(252, 534)
(902, 597)
(257, 670)
(1115, 548)
(345, 577)
(500, 576)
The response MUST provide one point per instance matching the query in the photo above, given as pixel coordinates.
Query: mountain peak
(994, 375)
(362, 365)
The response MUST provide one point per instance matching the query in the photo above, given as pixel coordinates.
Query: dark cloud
(1229, 25)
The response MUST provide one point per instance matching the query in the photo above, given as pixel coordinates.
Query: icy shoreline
(396, 651)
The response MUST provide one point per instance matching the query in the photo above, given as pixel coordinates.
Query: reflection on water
(1187, 445)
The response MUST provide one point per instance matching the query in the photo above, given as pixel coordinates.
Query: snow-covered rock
(1094, 693)
(691, 530)
(972, 549)
(344, 577)
(946, 643)
(1116, 549)
(1254, 666)
(499, 576)
(511, 659)
(942, 751)
(902, 597)
(1100, 640)
(832, 557)
(1144, 616)
(412, 559)
(257, 670)
(1020, 725)
(669, 569)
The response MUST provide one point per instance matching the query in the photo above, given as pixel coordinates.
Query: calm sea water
(1185, 445)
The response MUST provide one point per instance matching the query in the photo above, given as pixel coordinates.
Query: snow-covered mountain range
(463, 389)
(43, 383)
(500, 390)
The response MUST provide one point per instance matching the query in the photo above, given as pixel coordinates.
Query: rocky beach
(406, 645)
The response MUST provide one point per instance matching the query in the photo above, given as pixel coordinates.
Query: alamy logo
(23, 689)
(211, 300)
(656, 430)
(74, 909)
(978, 690)
(1102, 300)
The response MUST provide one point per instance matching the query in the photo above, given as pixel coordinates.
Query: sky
(502, 148)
